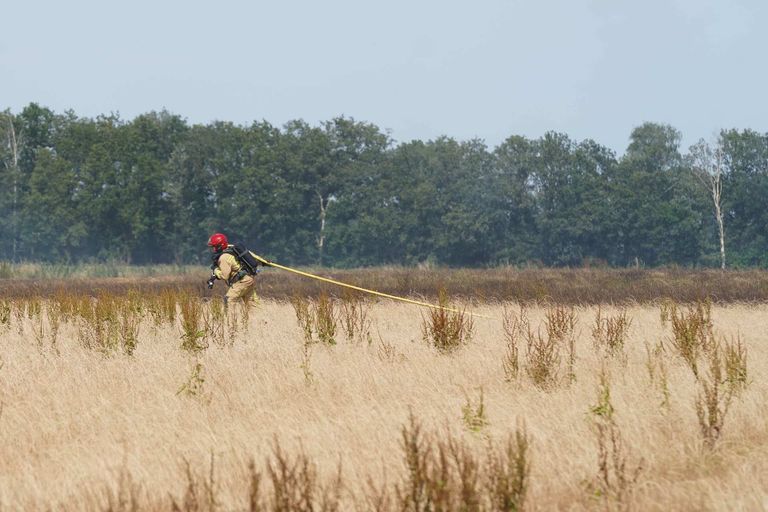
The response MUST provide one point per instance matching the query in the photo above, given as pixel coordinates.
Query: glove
(211, 279)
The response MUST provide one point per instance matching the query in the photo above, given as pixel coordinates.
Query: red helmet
(218, 241)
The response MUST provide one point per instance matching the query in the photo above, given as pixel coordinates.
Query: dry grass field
(164, 402)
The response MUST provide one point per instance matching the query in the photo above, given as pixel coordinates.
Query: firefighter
(227, 268)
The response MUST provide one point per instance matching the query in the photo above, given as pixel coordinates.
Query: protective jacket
(241, 284)
(227, 268)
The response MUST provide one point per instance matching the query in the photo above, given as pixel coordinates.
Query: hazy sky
(418, 68)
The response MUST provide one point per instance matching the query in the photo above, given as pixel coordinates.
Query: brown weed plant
(473, 413)
(735, 363)
(446, 328)
(543, 359)
(515, 326)
(609, 333)
(288, 483)
(194, 385)
(714, 397)
(296, 486)
(200, 493)
(656, 367)
(561, 329)
(353, 315)
(692, 333)
(324, 314)
(108, 324)
(304, 316)
(194, 337)
(5, 314)
(441, 473)
(616, 477)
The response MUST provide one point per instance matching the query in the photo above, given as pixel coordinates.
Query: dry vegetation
(156, 399)
(562, 286)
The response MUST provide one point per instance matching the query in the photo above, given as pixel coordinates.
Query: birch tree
(11, 164)
(707, 163)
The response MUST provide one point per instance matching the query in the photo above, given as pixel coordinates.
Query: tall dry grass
(379, 426)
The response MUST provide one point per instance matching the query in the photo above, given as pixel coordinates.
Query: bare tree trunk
(708, 167)
(717, 192)
(321, 237)
(14, 169)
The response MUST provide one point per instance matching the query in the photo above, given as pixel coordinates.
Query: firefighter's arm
(224, 268)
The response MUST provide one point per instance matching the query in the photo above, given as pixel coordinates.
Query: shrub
(442, 473)
(691, 332)
(474, 414)
(542, 360)
(354, 317)
(509, 472)
(561, 330)
(610, 333)
(295, 484)
(657, 370)
(712, 399)
(515, 326)
(195, 382)
(446, 329)
(193, 336)
(735, 362)
(325, 319)
(616, 477)
(304, 316)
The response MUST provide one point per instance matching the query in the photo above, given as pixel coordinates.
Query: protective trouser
(244, 290)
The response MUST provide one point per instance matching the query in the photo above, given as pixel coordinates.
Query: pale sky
(419, 69)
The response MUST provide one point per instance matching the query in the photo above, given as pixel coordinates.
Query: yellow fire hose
(353, 287)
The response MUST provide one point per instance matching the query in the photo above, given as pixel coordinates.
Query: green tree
(570, 197)
(658, 211)
(359, 158)
(10, 179)
(745, 190)
(512, 202)
(52, 229)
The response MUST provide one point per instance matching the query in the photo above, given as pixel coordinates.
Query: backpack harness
(248, 264)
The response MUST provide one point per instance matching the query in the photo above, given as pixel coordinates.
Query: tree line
(344, 194)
